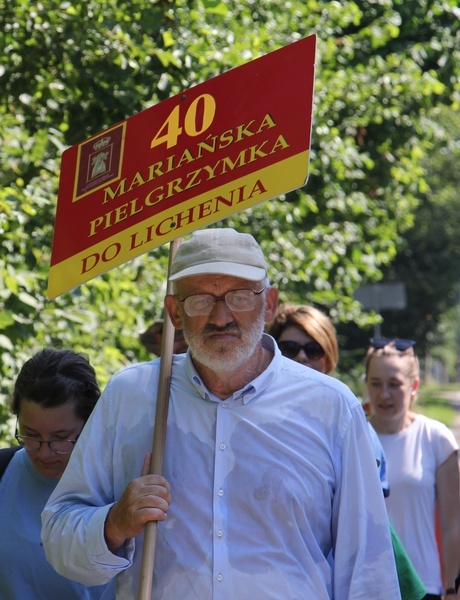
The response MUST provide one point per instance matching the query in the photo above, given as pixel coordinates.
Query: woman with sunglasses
(53, 396)
(306, 335)
(422, 456)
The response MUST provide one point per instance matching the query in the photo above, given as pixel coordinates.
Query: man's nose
(221, 314)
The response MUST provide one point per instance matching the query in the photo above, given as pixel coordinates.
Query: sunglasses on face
(290, 349)
(381, 342)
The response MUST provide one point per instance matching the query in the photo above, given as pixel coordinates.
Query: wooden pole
(159, 437)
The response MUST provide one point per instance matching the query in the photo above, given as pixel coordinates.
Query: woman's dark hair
(53, 377)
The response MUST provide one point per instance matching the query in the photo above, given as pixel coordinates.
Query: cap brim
(222, 268)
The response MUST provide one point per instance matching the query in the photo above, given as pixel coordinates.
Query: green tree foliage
(429, 261)
(70, 69)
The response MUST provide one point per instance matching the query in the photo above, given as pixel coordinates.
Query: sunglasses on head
(290, 349)
(381, 342)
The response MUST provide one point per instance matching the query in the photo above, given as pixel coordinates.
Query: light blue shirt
(275, 493)
(25, 573)
(381, 460)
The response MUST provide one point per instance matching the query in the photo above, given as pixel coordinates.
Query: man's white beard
(227, 357)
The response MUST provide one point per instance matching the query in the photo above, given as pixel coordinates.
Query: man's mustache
(211, 328)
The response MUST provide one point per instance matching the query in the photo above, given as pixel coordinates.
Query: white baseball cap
(219, 251)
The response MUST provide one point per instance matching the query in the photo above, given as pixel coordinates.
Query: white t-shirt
(413, 456)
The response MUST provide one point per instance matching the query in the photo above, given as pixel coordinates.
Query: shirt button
(222, 446)
(224, 404)
(220, 533)
(220, 492)
(220, 577)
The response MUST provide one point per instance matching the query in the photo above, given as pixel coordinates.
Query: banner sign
(218, 148)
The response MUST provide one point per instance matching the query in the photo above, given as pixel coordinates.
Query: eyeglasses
(33, 445)
(200, 305)
(400, 345)
(290, 349)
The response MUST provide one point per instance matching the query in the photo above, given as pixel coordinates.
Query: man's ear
(172, 306)
(272, 304)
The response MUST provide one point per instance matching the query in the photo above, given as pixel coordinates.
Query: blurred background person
(151, 339)
(53, 396)
(306, 335)
(423, 470)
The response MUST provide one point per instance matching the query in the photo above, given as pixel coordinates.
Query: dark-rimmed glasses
(33, 444)
(290, 349)
(200, 305)
(381, 342)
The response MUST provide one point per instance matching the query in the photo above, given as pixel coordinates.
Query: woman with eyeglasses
(423, 469)
(53, 396)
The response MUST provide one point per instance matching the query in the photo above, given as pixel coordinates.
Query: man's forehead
(210, 283)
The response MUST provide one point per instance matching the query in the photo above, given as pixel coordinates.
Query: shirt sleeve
(73, 523)
(443, 441)
(360, 522)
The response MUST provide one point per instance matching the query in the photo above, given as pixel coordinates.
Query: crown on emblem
(101, 143)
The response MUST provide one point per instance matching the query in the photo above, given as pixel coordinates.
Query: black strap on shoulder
(6, 454)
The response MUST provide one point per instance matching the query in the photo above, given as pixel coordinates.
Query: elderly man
(269, 487)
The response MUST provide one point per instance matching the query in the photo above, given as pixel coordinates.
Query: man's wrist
(450, 592)
(113, 540)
